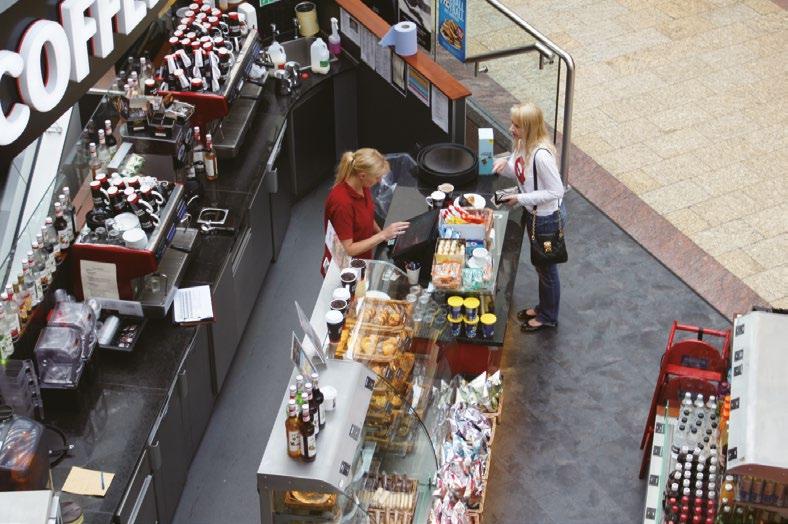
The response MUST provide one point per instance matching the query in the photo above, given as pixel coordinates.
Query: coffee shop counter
(141, 415)
(472, 355)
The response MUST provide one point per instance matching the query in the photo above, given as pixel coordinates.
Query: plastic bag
(402, 166)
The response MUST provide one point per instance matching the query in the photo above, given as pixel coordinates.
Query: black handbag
(547, 248)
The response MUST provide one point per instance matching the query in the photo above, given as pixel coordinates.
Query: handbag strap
(533, 215)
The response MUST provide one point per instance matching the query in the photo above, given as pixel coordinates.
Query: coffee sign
(53, 54)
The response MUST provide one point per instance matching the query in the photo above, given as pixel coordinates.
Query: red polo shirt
(351, 214)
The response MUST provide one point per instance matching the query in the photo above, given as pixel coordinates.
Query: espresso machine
(147, 275)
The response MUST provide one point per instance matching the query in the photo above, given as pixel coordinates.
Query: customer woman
(351, 209)
(533, 150)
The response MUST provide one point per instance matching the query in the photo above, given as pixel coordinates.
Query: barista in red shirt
(351, 209)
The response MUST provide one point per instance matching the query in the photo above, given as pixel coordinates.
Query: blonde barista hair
(529, 118)
(364, 160)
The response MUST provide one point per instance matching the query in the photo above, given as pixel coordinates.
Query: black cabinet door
(311, 127)
(224, 331)
(169, 454)
(281, 194)
(253, 256)
(145, 509)
(138, 489)
(195, 385)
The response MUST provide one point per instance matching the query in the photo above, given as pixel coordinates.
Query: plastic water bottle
(320, 57)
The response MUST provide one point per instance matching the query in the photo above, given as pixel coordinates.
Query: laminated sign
(451, 26)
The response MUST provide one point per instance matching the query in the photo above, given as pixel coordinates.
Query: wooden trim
(421, 61)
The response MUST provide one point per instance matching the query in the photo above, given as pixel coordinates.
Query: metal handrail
(542, 42)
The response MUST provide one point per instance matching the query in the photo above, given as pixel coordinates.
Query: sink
(299, 50)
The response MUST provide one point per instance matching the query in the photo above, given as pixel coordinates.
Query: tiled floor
(685, 103)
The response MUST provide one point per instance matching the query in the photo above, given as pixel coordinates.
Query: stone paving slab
(685, 103)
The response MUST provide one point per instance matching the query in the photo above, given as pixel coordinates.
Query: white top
(551, 188)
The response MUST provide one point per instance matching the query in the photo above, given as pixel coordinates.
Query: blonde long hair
(364, 160)
(529, 118)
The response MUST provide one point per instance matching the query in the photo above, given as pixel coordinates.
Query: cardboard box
(486, 158)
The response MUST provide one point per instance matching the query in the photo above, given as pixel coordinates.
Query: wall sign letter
(14, 123)
(39, 91)
(79, 30)
(102, 12)
(131, 14)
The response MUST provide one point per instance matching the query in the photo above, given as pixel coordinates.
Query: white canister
(329, 397)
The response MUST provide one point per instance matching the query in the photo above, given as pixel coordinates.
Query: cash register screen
(421, 233)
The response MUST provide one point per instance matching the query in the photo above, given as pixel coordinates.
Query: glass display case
(392, 468)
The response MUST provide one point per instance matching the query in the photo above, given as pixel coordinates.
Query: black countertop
(409, 201)
(110, 419)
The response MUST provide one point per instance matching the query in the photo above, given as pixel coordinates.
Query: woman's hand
(394, 230)
(499, 165)
(510, 200)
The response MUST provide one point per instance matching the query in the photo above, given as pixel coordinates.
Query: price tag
(735, 403)
(740, 329)
(653, 480)
(737, 370)
(651, 513)
(659, 427)
(733, 453)
(355, 432)
(344, 468)
(369, 383)
(738, 355)
(657, 451)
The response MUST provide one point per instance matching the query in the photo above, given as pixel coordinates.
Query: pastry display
(309, 500)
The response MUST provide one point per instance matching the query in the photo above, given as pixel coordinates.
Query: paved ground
(683, 102)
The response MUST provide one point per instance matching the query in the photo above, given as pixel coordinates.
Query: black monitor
(417, 243)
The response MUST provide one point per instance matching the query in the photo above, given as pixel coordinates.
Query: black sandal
(523, 314)
(528, 328)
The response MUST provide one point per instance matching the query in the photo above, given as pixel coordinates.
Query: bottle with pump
(320, 57)
(334, 42)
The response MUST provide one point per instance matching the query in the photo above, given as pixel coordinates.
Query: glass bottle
(318, 395)
(211, 162)
(94, 163)
(103, 150)
(6, 344)
(32, 287)
(64, 234)
(109, 137)
(198, 157)
(292, 394)
(293, 430)
(39, 266)
(50, 242)
(308, 441)
(68, 210)
(146, 69)
(11, 314)
(19, 298)
(299, 390)
(310, 399)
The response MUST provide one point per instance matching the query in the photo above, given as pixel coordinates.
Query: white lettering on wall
(14, 123)
(102, 12)
(79, 29)
(131, 14)
(42, 92)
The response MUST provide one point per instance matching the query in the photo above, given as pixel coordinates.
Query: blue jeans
(549, 283)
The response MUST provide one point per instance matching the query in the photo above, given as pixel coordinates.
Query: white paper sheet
(368, 44)
(383, 62)
(398, 73)
(440, 109)
(349, 26)
(99, 279)
(193, 304)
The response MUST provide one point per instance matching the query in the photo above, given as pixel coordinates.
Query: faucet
(274, 32)
(296, 28)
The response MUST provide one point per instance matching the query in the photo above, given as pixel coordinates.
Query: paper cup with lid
(488, 321)
(471, 327)
(471, 308)
(455, 324)
(455, 307)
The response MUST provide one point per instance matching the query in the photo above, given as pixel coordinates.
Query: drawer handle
(155, 456)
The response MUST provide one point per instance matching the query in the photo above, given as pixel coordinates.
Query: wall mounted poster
(451, 26)
(419, 12)
(419, 86)
(398, 73)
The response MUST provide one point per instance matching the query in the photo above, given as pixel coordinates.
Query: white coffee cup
(446, 188)
(135, 238)
(341, 293)
(438, 197)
